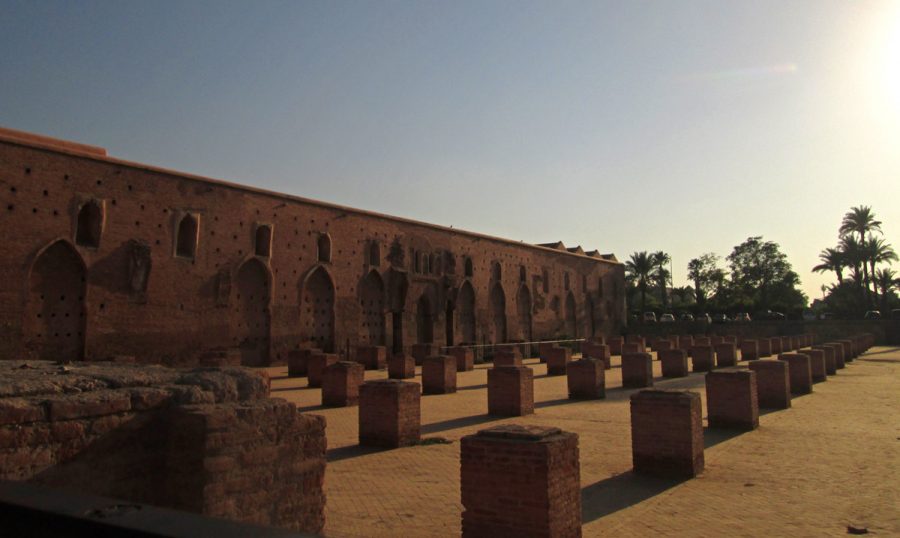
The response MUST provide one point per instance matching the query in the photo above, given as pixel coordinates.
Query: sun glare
(888, 49)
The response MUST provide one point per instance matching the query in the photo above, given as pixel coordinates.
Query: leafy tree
(706, 276)
(639, 269)
(887, 281)
(761, 273)
(876, 251)
(661, 274)
(833, 259)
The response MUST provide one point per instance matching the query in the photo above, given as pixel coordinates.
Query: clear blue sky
(626, 125)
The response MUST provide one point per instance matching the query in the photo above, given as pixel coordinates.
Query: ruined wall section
(256, 271)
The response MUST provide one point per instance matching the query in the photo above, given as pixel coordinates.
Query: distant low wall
(886, 332)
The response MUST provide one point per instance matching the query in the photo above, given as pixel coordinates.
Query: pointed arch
(251, 319)
(186, 236)
(466, 312)
(263, 246)
(523, 307)
(55, 314)
(496, 271)
(498, 314)
(317, 309)
(89, 226)
(424, 320)
(371, 301)
(323, 248)
(571, 317)
(469, 269)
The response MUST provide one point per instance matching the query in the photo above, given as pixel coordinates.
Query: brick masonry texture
(586, 379)
(557, 359)
(828, 354)
(439, 375)
(389, 413)
(401, 366)
(166, 263)
(764, 346)
(637, 370)
(465, 358)
(799, 372)
(775, 345)
(773, 383)
(749, 350)
(674, 363)
(507, 358)
(316, 365)
(206, 440)
(520, 481)
(726, 354)
(732, 400)
(615, 344)
(298, 361)
(593, 350)
(340, 384)
(667, 433)
(817, 364)
(703, 358)
(372, 357)
(510, 391)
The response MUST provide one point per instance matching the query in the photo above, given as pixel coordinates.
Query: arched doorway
(251, 320)
(498, 314)
(424, 321)
(523, 306)
(54, 324)
(371, 300)
(318, 309)
(571, 317)
(466, 308)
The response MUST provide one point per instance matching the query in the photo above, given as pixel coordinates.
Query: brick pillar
(371, 357)
(849, 350)
(340, 384)
(544, 350)
(637, 370)
(465, 358)
(785, 344)
(749, 350)
(389, 413)
(685, 341)
(817, 364)
(520, 481)
(615, 345)
(401, 366)
(507, 358)
(674, 363)
(661, 344)
(557, 359)
(726, 355)
(731, 339)
(510, 391)
(586, 379)
(637, 339)
(667, 433)
(775, 345)
(838, 354)
(764, 347)
(297, 361)
(800, 372)
(597, 351)
(315, 367)
(716, 340)
(830, 363)
(773, 384)
(703, 358)
(732, 400)
(632, 347)
(422, 351)
(702, 341)
(439, 375)
(795, 342)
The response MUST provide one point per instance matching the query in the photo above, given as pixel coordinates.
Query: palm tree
(851, 251)
(832, 260)
(660, 259)
(861, 220)
(640, 267)
(878, 251)
(887, 280)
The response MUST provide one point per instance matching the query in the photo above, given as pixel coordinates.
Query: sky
(682, 126)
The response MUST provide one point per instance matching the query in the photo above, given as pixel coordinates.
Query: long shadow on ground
(619, 492)
(458, 423)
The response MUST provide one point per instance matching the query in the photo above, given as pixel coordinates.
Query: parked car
(649, 317)
(667, 318)
(687, 317)
(872, 314)
(769, 315)
(720, 318)
(742, 316)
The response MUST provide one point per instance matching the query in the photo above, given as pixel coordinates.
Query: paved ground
(830, 461)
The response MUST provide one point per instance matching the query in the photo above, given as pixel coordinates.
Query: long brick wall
(103, 257)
